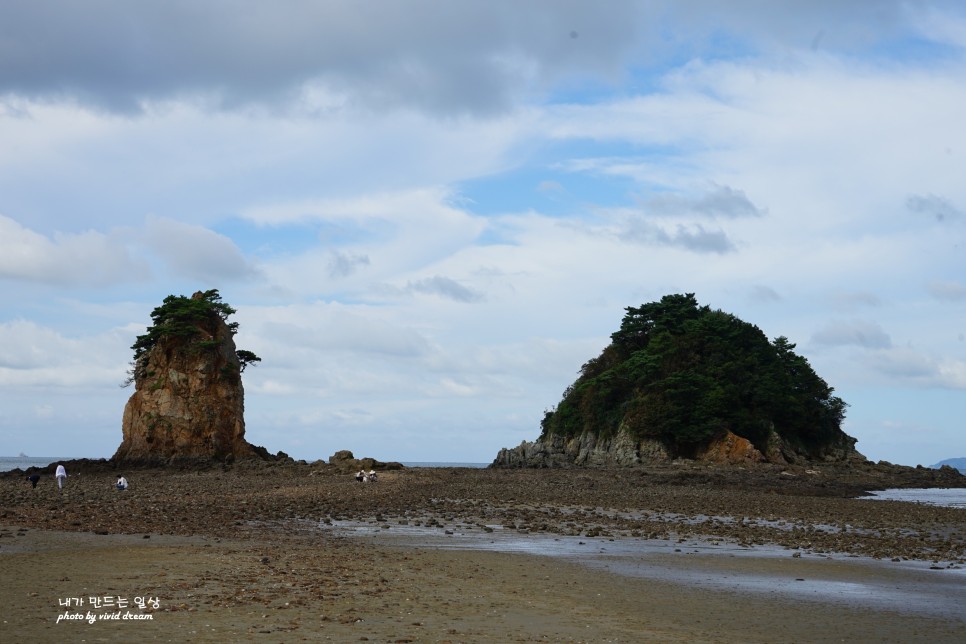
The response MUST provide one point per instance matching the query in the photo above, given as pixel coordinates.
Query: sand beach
(303, 552)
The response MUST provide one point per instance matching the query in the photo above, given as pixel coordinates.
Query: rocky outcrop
(586, 450)
(189, 401)
(731, 449)
(695, 383)
(345, 461)
(622, 450)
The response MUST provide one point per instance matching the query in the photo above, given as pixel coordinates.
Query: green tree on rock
(187, 319)
(683, 374)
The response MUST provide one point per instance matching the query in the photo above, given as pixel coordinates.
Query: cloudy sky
(430, 214)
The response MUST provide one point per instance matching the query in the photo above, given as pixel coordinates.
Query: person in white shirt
(61, 475)
(121, 483)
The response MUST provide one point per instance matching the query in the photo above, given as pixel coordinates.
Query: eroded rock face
(586, 450)
(589, 450)
(344, 461)
(189, 402)
(730, 449)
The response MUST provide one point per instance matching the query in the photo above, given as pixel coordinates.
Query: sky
(428, 215)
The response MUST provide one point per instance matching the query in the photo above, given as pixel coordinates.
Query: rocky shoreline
(251, 552)
(809, 509)
(622, 450)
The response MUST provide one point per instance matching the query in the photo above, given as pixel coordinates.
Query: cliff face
(189, 401)
(622, 450)
(586, 450)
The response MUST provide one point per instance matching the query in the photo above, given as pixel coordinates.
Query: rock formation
(345, 461)
(680, 380)
(590, 450)
(188, 403)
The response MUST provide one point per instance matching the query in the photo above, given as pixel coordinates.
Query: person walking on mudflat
(61, 476)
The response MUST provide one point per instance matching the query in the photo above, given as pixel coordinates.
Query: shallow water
(908, 586)
(946, 497)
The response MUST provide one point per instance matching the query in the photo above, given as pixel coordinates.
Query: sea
(947, 497)
(8, 463)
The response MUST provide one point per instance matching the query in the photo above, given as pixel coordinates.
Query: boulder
(345, 461)
(731, 449)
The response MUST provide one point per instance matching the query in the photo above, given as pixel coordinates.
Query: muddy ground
(245, 553)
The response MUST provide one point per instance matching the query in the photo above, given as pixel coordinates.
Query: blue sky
(430, 215)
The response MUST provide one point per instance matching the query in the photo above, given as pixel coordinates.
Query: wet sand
(910, 587)
(304, 553)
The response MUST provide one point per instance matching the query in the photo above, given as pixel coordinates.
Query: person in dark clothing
(33, 478)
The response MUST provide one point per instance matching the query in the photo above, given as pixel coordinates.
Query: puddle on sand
(908, 586)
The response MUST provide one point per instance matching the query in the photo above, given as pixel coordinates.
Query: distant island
(957, 463)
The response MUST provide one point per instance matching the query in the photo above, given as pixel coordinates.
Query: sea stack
(188, 403)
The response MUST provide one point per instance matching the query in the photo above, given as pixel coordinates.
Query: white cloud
(762, 293)
(265, 167)
(855, 300)
(937, 24)
(381, 239)
(553, 188)
(195, 252)
(28, 345)
(775, 129)
(717, 201)
(332, 350)
(951, 291)
(37, 357)
(372, 210)
(90, 258)
(471, 57)
(920, 369)
(443, 287)
(860, 333)
(691, 237)
(934, 207)
(343, 264)
(952, 373)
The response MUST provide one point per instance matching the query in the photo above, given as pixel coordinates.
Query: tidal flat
(293, 552)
